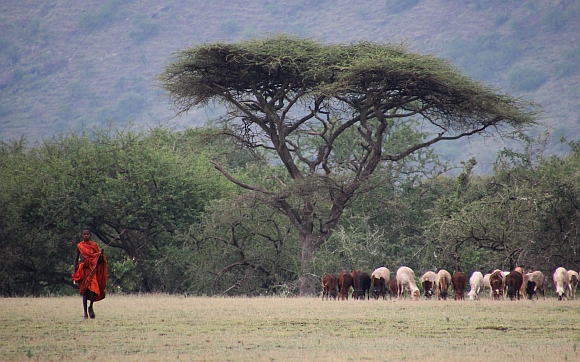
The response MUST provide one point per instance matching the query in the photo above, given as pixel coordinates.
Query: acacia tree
(527, 214)
(300, 98)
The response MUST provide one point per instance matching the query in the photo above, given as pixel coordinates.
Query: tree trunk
(308, 281)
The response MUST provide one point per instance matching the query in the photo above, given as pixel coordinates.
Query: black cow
(531, 289)
(362, 285)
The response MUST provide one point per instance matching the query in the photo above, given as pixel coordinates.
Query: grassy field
(163, 328)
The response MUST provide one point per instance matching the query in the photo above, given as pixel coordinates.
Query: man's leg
(85, 297)
(91, 296)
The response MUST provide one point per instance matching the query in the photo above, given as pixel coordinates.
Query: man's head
(86, 234)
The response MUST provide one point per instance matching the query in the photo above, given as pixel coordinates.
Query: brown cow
(393, 288)
(496, 282)
(524, 282)
(344, 284)
(329, 282)
(443, 282)
(459, 280)
(513, 284)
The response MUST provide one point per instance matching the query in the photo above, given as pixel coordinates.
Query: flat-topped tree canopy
(305, 100)
(355, 73)
(261, 80)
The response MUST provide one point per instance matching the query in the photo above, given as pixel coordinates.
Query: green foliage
(385, 224)
(523, 79)
(523, 215)
(135, 190)
(170, 224)
(123, 274)
(332, 113)
(240, 247)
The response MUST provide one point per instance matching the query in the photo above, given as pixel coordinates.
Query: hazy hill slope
(68, 65)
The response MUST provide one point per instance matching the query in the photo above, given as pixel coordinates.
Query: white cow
(573, 275)
(476, 283)
(486, 284)
(561, 282)
(406, 282)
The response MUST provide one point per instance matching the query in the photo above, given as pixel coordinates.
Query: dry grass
(158, 327)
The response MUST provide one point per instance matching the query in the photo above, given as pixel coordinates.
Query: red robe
(92, 273)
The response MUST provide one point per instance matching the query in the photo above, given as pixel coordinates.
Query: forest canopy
(179, 227)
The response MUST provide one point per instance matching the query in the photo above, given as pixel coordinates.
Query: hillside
(68, 66)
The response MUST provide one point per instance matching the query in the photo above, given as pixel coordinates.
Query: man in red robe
(91, 273)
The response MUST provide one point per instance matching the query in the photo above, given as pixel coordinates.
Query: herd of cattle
(499, 284)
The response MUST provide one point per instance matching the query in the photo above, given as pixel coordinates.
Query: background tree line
(171, 223)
